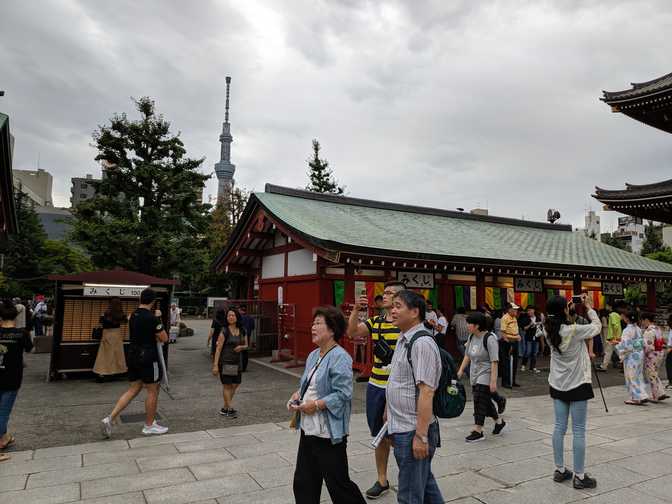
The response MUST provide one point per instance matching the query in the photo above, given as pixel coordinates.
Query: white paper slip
(377, 440)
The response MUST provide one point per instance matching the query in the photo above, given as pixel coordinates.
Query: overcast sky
(439, 103)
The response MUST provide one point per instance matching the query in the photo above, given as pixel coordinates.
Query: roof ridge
(383, 205)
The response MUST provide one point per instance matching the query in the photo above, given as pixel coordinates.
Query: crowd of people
(407, 369)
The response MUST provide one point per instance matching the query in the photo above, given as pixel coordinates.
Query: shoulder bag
(304, 389)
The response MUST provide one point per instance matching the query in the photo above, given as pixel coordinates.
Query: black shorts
(230, 380)
(143, 365)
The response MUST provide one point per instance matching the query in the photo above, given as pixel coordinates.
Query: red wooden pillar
(480, 289)
(651, 295)
(577, 286)
(349, 284)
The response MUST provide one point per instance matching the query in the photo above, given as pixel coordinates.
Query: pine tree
(653, 239)
(146, 215)
(320, 175)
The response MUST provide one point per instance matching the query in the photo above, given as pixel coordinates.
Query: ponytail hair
(555, 308)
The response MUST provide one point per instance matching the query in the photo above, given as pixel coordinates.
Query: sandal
(9, 442)
(633, 403)
(4, 457)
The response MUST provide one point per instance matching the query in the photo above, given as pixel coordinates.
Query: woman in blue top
(323, 404)
(631, 351)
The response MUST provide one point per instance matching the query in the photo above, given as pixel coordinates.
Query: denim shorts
(375, 408)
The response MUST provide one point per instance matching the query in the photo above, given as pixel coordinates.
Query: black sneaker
(559, 477)
(516, 385)
(232, 413)
(600, 369)
(224, 412)
(501, 405)
(474, 437)
(498, 427)
(586, 482)
(377, 490)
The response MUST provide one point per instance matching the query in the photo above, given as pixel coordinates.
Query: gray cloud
(447, 104)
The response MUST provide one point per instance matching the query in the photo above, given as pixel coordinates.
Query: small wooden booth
(81, 299)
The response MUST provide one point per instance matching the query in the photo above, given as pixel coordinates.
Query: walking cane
(597, 377)
(164, 369)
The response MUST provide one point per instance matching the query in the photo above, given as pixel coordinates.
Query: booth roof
(345, 224)
(114, 277)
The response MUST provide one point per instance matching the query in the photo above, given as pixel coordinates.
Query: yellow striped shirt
(378, 325)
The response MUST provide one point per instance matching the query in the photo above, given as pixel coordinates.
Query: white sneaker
(522, 368)
(536, 371)
(154, 429)
(106, 427)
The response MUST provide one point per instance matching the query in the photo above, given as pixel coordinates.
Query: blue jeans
(531, 351)
(579, 412)
(7, 398)
(416, 481)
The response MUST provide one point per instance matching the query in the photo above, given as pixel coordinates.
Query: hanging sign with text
(528, 285)
(129, 291)
(416, 279)
(612, 289)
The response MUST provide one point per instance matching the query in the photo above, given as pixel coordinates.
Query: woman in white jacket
(570, 384)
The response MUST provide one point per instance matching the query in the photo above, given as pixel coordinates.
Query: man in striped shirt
(377, 328)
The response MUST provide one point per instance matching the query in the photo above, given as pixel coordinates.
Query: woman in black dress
(231, 340)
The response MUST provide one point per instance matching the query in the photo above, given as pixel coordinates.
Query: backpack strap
(409, 347)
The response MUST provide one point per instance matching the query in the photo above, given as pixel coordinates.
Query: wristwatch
(423, 439)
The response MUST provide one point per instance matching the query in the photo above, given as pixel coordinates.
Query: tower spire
(228, 85)
(224, 169)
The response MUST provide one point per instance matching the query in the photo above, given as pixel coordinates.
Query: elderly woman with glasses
(323, 406)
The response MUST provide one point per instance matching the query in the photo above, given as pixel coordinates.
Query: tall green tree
(29, 257)
(320, 175)
(224, 218)
(653, 239)
(147, 215)
(23, 252)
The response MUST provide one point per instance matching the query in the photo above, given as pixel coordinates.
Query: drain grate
(137, 417)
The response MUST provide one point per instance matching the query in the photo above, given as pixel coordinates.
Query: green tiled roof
(346, 225)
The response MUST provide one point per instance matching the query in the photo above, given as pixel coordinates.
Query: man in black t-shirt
(144, 365)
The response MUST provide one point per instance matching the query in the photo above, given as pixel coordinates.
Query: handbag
(293, 421)
(97, 333)
(230, 370)
(382, 349)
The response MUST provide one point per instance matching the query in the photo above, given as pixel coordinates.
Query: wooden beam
(249, 253)
(260, 235)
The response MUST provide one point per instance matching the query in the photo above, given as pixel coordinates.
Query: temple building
(651, 103)
(305, 249)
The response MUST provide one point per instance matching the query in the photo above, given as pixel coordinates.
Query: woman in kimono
(654, 353)
(631, 351)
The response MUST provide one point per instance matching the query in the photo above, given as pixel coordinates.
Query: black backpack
(450, 396)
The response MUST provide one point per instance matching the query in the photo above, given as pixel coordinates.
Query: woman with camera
(570, 384)
(322, 406)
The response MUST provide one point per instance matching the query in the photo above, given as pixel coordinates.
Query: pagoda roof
(639, 90)
(338, 227)
(648, 201)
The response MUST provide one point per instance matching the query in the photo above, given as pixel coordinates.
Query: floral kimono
(653, 359)
(631, 352)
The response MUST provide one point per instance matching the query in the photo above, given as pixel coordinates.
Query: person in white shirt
(570, 384)
(20, 321)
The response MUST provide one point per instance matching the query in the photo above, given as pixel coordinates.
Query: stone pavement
(630, 454)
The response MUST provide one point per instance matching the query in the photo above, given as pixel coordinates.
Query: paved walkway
(630, 454)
